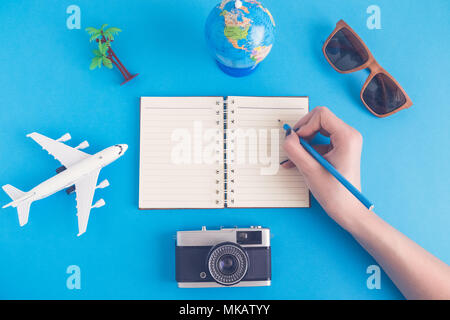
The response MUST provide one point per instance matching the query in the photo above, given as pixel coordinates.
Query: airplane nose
(124, 147)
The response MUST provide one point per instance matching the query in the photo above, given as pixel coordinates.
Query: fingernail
(284, 161)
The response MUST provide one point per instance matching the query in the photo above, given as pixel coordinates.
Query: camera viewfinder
(249, 237)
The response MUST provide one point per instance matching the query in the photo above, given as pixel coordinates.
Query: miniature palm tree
(105, 55)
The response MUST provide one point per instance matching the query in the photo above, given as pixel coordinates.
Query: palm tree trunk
(117, 63)
(120, 63)
(117, 66)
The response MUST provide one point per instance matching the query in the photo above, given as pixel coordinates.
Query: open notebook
(216, 152)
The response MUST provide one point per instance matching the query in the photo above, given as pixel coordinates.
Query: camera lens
(227, 263)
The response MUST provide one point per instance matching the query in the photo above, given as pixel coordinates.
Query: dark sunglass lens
(345, 51)
(382, 95)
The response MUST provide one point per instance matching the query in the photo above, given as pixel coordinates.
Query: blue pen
(366, 202)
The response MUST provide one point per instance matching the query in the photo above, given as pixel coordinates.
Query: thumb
(299, 156)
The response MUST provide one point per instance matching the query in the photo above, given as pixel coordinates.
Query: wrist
(350, 216)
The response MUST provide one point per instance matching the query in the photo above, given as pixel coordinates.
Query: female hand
(343, 152)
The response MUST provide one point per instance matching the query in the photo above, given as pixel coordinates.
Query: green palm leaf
(94, 62)
(95, 36)
(113, 31)
(107, 63)
(108, 35)
(102, 47)
(91, 30)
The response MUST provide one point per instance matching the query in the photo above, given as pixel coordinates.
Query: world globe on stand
(239, 34)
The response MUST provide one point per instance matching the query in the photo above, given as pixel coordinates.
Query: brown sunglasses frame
(370, 64)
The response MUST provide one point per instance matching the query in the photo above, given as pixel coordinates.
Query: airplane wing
(85, 189)
(62, 152)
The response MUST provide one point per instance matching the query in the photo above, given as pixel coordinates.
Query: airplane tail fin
(23, 209)
(13, 192)
(23, 206)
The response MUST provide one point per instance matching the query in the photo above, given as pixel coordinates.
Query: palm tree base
(128, 79)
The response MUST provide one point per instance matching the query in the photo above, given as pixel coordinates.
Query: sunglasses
(346, 52)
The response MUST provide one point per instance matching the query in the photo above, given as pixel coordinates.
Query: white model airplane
(79, 173)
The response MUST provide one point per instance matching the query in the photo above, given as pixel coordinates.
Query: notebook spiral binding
(225, 177)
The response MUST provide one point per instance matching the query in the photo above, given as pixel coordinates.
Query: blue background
(46, 86)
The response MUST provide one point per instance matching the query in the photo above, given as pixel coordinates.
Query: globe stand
(236, 72)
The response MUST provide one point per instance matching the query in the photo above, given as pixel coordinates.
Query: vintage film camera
(225, 257)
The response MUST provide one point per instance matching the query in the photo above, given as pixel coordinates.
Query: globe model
(239, 34)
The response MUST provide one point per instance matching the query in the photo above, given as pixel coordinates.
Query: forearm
(417, 273)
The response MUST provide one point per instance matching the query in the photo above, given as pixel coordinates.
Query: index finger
(320, 119)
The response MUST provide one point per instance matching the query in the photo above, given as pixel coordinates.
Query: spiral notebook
(217, 152)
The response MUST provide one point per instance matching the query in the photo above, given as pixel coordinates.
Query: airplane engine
(100, 203)
(64, 138)
(60, 169)
(70, 190)
(103, 184)
(82, 145)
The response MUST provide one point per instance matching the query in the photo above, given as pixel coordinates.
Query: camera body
(225, 257)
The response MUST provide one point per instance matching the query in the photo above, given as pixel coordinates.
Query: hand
(343, 152)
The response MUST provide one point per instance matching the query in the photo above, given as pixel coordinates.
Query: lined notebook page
(178, 137)
(259, 184)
